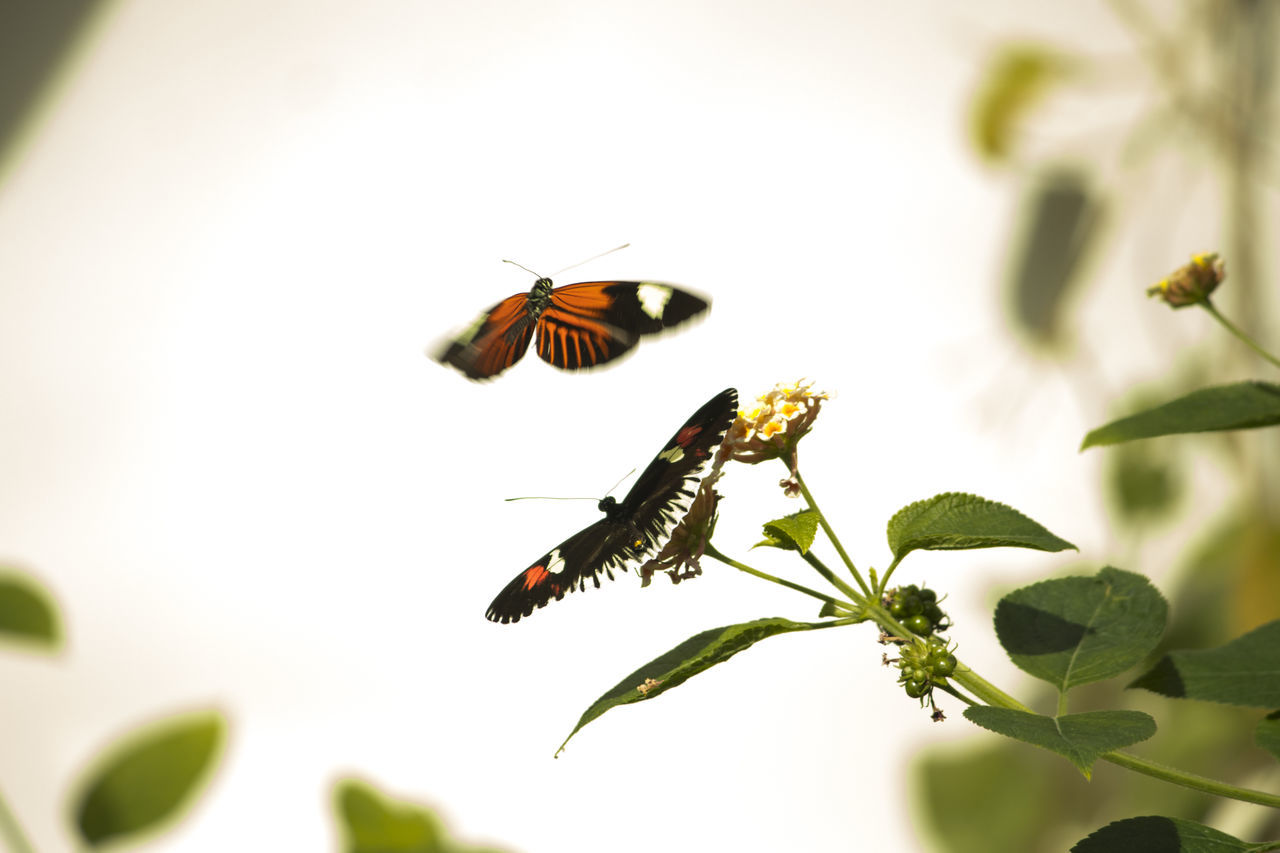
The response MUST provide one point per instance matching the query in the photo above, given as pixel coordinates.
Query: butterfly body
(634, 528)
(573, 327)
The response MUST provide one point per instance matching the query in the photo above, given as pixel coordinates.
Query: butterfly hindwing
(577, 326)
(634, 528)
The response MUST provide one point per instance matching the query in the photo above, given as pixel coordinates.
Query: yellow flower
(1192, 283)
(771, 429)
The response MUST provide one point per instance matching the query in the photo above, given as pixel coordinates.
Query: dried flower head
(680, 557)
(772, 428)
(1191, 283)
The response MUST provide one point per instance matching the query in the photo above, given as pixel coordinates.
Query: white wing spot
(555, 563)
(675, 454)
(653, 299)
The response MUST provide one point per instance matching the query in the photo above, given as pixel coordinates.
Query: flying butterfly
(633, 529)
(576, 326)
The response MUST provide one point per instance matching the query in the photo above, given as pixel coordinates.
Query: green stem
(884, 581)
(1233, 329)
(11, 832)
(831, 534)
(742, 567)
(1191, 780)
(821, 567)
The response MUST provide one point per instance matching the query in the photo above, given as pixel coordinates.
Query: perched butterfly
(579, 325)
(634, 528)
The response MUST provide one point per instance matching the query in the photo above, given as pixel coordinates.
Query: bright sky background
(233, 232)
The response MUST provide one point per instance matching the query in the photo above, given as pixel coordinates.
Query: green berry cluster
(922, 665)
(917, 609)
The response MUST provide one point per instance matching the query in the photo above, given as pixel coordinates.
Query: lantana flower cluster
(772, 428)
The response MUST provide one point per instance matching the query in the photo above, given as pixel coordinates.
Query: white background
(236, 227)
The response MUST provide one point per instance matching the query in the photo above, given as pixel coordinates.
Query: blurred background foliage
(1215, 67)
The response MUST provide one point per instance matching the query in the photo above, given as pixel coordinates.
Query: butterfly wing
(663, 491)
(595, 550)
(592, 322)
(497, 339)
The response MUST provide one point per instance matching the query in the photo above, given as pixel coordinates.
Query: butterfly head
(608, 505)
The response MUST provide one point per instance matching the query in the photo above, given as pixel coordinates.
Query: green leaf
(1070, 631)
(1060, 216)
(1245, 671)
(793, 532)
(1267, 734)
(1161, 835)
(149, 777)
(1244, 405)
(954, 521)
(1079, 737)
(696, 654)
(372, 822)
(27, 612)
(1015, 80)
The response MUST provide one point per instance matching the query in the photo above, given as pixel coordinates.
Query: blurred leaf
(149, 777)
(696, 654)
(27, 611)
(372, 822)
(793, 532)
(1245, 671)
(1244, 405)
(1079, 737)
(1161, 835)
(953, 521)
(1016, 80)
(1144, 479)
(1060, 219)
(1070, 631)
(1267, 734)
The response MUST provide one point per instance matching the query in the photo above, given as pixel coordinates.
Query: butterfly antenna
(589, 260)
(619, 483)
(523, 267)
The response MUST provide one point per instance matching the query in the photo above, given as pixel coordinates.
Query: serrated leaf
(1267, 734)
(1156, 834)
(1071, 631)
(1245, 671)
(27, 611)
(1081, 738)
(1060, 218)
(1244, 405)
(793, 532)
(695, 655)
(955, 521)
(149, 777)
(372, 822)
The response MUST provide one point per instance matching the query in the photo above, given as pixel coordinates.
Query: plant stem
(812, 559)
(1231, 327)
(1191, 780)
(742, 567)
(831, 534)
(11, 832)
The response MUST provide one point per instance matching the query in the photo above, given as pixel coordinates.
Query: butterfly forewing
(496, 340)
(634, 528)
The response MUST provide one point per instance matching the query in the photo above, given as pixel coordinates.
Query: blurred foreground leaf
(149, 777)
(27, 611)
(372, 822)
(1015, 80)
